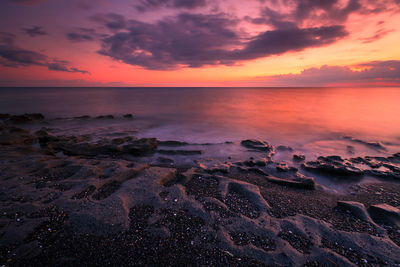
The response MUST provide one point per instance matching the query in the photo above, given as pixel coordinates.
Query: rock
(4, 116)
(283, 167)
(355, 208)
(257, 145)
(297, 157)
(102, 117)
(11, 135)
(333, 165)
(384, 213)
(128, 116)
(299, 182)
(172, 143)
(141, 147)
(41, 133)
(163, 162)
(84, 117)
(25, 118)
(120, 141)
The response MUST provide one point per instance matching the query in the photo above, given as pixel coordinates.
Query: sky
(200, 43)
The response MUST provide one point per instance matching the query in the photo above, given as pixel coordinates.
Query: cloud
(146, 5)
(62, 65)
(34, 31)
(84, 34)
(112, 21)
(28, 2)
(195, 40)
(305, 13)
(294, 39)
(374, 72)
(13, 56)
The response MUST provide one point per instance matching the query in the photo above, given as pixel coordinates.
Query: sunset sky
(199, 43)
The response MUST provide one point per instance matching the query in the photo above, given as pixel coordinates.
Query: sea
(317, 120)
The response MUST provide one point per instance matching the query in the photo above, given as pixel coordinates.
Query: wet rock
(355, 208)
(4, 116)
(11, 135)
(128, 116)
(257, 145)
(84, 117)
(384, 213)
(120, 141)
(26, 118)
(300, 181)
(141, 147)
(297, 157)
(220, 168)
(333, 165)
(41, 133)
(163, 162)
(172, 143)
(103, 117)
(283, 167)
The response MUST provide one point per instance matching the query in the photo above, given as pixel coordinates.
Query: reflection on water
(290, 116)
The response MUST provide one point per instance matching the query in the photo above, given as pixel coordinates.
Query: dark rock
(333, 165)
(128, 116)
(4, 116)
(384, 213)
(102, 117)
(172, 143)
(257, 145)
(297, 157)
(141, 147)
(120, 141)
(84, 117)
(355, 208)
(283, 167)
(300, 181)
(25, 118)
(163, 162)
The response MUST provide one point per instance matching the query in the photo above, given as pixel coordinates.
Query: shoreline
(126, 201)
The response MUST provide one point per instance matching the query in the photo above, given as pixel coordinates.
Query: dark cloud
(146, 5)
(34, 31)
(111, 21)
(62, 65)
(28, 2)
(13, 56)
(273, 18)
(294, 39)
(195, 40)
(318, 12)
(371, 72)
(84, 34)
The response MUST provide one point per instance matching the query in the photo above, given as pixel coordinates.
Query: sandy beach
(123, 200)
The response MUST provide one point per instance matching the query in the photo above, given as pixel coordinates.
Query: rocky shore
(80, 200)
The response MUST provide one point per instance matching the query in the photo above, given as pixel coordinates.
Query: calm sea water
(313, 117)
